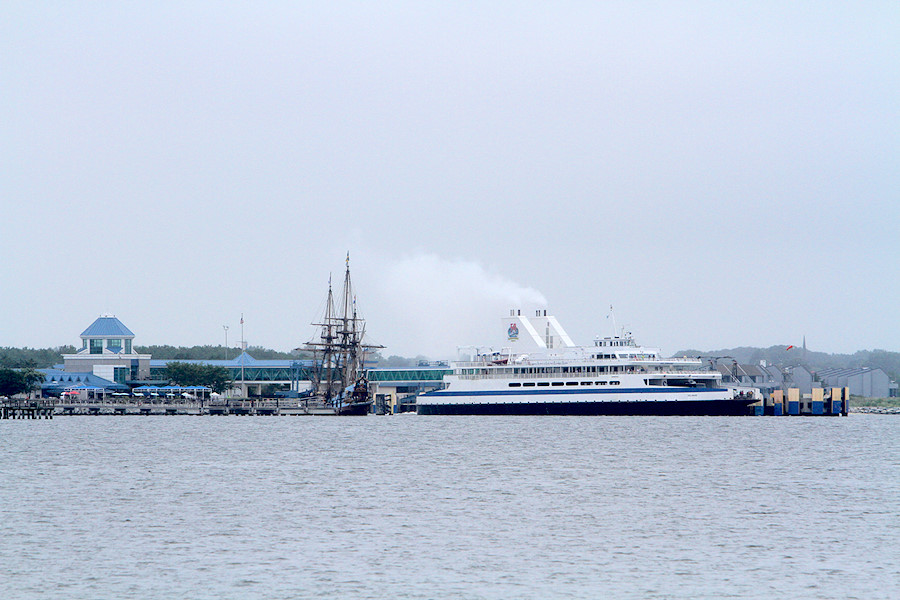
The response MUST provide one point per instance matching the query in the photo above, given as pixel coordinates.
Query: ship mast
(349, 342)
(339, 350)
(323, 350)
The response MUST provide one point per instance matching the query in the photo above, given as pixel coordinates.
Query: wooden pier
(235, 406)
(26, 409)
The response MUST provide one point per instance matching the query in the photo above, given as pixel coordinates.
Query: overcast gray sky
(722, 173)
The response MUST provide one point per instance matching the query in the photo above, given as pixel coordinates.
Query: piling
(834, 401)
(777, 403)
(25, 409)
(817, 403)
(793, 401)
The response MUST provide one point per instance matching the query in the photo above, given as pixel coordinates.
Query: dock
(820, 403)
(235, 407)
(26, 409)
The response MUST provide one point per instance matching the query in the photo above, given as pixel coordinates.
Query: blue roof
(242, 359)
(55, 378)
(107, 327)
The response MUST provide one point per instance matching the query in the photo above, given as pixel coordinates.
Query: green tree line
(19, 381)
(184, 374)
(35, 358)
(43, 358)
(214, 353)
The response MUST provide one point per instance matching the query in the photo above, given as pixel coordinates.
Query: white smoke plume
(430, 305)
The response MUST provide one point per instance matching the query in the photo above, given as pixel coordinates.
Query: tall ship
(338, 377)
(614, 376)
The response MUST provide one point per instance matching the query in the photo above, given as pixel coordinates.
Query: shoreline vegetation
(43, 358)
(874, 403)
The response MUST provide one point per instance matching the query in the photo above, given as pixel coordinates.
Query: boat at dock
(338, 378)
(614, 376)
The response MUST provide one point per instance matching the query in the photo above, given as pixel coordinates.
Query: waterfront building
(58, 382)
(862, 381)
(107, 351)
(396, 389)
(251, 376)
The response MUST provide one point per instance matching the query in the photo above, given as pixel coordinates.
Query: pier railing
(568, 361)
(26, 408)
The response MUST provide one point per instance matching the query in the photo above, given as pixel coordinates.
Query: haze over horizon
(723, 174)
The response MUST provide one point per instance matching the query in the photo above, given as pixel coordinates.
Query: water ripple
(450, 507)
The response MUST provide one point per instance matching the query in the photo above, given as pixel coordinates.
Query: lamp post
(225, 327)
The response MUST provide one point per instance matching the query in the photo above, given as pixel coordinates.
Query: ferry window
(543, 383)
(585, 383)
(515, 385)
(614, 382)
(601, 383)
(528, 384)
(557, 383)
(571, 383)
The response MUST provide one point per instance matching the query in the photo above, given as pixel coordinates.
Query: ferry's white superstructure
(614, 376)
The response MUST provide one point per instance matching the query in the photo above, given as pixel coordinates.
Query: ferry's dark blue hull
(735, 407)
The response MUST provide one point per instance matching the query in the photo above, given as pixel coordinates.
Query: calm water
(450, 507)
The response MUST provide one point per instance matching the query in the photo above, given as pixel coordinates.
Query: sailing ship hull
(357, 409)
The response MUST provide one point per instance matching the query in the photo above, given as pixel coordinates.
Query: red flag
(788, 348)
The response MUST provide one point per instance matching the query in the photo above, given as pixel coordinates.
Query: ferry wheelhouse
(615, 376)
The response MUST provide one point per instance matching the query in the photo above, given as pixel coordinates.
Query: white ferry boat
(615, 376)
